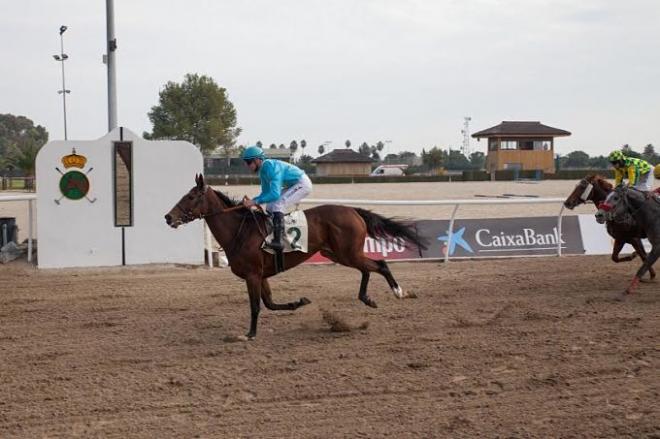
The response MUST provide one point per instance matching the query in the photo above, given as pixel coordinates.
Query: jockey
(639, 171)
(274, 175)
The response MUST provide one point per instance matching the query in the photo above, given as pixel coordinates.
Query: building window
(509, 144)
(542, 145)
(492, 144)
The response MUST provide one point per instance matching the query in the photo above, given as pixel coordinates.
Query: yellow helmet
(656, 171)
(616, 156)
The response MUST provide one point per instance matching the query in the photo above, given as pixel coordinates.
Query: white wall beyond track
(81, 233)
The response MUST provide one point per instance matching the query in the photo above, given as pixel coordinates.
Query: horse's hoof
(304, 301)
(398, 292)
(249, 336)
(367, 301)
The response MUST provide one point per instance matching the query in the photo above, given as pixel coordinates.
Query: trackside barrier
(30, 200)
(455, 203)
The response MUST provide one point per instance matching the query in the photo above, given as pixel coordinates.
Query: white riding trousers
(645, 182)
(291, 195)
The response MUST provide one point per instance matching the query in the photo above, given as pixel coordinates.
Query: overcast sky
(365, 70)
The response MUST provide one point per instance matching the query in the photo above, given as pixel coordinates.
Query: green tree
(435, 158)
(259, 144)
(321, 149)
(365, 149)
(478, 160)
(272, 146)
(600, 162)
(22, 156)
(629, 152)
(196, 110)
(456, 160)
(20, 140)
(379, 146)
(577, 159)
(18, 132)
(650, 155)
(303, 145)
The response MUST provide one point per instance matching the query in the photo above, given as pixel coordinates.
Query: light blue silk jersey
(275, 174)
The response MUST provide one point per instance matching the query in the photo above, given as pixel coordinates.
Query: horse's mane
(597, 179)
(229, 202)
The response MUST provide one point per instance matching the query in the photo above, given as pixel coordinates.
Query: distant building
(218, 158)
(342, 162)
(521, 145)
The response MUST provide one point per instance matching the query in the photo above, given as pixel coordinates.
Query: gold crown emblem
(74, 160)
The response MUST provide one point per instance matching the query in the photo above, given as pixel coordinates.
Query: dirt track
(522, 348)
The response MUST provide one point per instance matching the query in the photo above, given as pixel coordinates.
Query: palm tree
(347, 143)
(272, 146)
(259, 144)
(293, 146)
(321, 149)
(303, 144)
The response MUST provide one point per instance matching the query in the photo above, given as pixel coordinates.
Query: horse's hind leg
(639, 248)
(267, 297)
(362, 295)
(384, 270)
(650, 260)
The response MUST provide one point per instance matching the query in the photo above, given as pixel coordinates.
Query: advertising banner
(481, 238)
(494, 237)
(388, 249)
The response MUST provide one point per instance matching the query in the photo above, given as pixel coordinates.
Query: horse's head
(590, 188)
(615, 207)
(191, 206)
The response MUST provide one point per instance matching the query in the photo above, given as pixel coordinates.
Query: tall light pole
(61, 58)
(109, 59)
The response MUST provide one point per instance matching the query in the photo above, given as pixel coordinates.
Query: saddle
(295, 233)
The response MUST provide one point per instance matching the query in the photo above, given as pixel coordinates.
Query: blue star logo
(456, 238)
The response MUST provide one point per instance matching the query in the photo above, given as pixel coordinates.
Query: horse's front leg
(253, 282)
(267, 297)
(616, 249)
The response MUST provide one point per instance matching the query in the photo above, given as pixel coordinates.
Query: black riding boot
(277, 244)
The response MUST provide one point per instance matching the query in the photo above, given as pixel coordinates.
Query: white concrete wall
(83, 234)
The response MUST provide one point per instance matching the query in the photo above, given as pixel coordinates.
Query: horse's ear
(200, 181)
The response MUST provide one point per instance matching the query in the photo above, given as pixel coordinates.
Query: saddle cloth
(295, 233)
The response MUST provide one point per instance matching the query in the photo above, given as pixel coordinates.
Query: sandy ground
(506, 348)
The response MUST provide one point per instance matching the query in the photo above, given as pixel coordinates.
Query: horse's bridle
(587, 190)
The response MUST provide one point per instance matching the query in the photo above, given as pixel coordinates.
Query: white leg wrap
(398, 292)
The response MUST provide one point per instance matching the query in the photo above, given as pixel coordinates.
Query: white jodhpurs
(645, 182)
(291, 195)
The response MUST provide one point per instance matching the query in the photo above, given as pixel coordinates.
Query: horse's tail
(380, 227)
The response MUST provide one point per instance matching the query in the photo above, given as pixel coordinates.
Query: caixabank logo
(501, 237)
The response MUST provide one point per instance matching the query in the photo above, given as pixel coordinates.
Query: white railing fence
(30, 199)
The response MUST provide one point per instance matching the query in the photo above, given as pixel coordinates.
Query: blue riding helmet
(253, 152)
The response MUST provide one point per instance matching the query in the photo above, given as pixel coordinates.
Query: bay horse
(625, 204)
(596, 188)
(338, 232)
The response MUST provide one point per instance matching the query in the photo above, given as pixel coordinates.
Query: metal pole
(112, 75)
(559, 223)
(63, 82)
(450, 231)
(30, 231)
